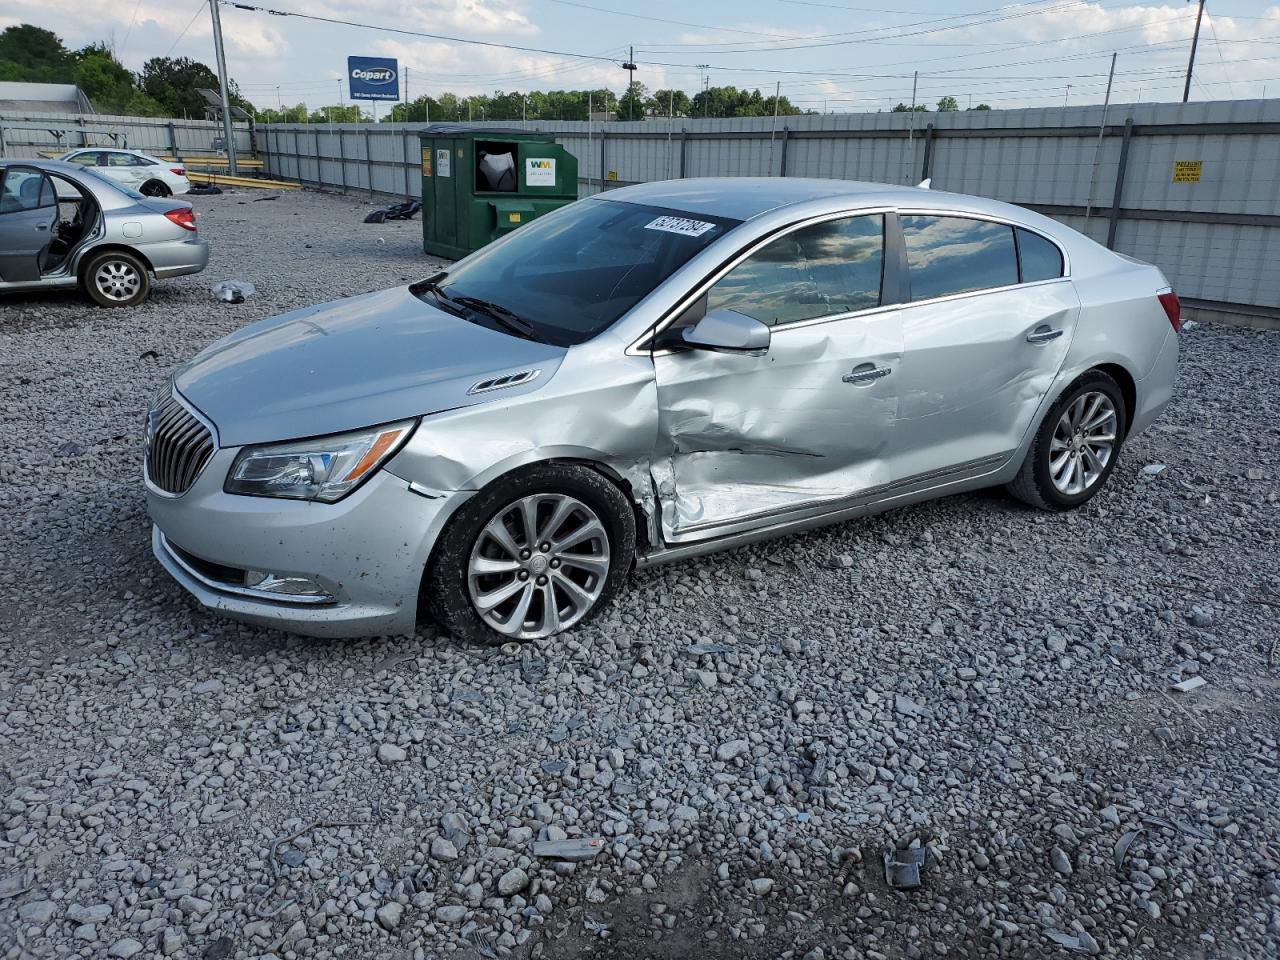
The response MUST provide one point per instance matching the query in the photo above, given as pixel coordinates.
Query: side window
(947, 255)
(818, 271)
(121, 160)
(85, 159)
(25, 189)
(48, 195)
(1038, 258)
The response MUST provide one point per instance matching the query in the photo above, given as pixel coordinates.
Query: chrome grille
(178, 446)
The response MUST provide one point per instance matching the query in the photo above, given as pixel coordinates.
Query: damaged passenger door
(749, 437)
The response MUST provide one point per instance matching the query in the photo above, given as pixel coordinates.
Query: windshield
(570, 275)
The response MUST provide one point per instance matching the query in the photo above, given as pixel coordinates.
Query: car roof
(52, 166)
(742, 198)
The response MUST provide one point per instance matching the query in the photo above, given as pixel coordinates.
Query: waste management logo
(373, 78)
(539, 172)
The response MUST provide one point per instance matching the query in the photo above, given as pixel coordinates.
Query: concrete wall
(1218, 239)
(30, 134)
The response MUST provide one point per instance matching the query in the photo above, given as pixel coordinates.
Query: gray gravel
(749, 734)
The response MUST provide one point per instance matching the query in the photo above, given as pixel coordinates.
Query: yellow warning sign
(513, 218)
(1187, 171)
(426, 161)
(613, 174)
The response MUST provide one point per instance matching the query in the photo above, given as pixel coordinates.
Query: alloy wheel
(117, 280)
(538, 566)
(1083, 443)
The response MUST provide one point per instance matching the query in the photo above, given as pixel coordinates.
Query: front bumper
(367, 551)
(173, 258)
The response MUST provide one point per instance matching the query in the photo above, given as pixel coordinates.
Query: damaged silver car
(658, 372)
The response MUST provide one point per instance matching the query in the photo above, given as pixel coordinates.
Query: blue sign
(373, 78)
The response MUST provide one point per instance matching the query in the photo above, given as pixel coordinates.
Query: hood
(352, 363)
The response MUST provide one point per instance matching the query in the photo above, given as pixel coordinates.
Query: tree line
(164, 87)
(167, 87)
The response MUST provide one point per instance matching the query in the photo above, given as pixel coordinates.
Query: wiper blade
(431, 285)
(508, 318)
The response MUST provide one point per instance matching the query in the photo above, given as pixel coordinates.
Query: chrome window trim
(231, 588)
(989, 218)
(981, 293)
(208, 425)
(636, 348)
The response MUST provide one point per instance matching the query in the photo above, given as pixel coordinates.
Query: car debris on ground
(233, 291)
(397, 211)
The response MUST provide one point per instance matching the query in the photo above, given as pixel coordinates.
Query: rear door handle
(865, 374)
(1043, 335)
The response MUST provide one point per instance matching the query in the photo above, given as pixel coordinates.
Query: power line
(199, 7)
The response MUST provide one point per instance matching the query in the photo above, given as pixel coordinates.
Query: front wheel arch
(438, 599)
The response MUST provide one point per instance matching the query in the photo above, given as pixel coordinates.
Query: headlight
(327, 468)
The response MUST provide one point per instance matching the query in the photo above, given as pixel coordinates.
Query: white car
(149, 175)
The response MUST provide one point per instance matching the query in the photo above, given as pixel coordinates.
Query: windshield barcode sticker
(680, 225)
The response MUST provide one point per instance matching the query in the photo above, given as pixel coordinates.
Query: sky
(838, 56)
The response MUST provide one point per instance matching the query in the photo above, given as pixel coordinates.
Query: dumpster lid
(457, 128)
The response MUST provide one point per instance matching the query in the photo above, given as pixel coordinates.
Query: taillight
(1172, 309)
(184, 217)
(178, 170)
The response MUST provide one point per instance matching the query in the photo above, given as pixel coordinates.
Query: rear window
(573, 273)
(949, 255)
(1038, 258)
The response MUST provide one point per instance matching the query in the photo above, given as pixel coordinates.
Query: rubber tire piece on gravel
(1033, 485)
(91, 267)
(445, 583)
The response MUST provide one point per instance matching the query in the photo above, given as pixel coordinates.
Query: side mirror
(727, 331)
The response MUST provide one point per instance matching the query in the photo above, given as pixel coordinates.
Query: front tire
(116, 279)
(1076, 446)
(534, 553)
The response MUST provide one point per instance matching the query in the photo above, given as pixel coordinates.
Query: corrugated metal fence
(30, 134)
(1194, 188)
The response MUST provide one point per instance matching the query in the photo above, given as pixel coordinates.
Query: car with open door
(63, 227)
(651, 374)
(150, 176)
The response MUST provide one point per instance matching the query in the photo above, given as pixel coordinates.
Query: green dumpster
(479, 184)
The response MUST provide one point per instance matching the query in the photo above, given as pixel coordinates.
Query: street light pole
(1191, 62)
(228, 134)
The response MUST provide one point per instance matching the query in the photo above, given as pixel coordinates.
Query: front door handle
(42, 226)
(1043, 335)
(866, 374)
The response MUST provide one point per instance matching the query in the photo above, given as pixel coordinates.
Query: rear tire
(1076, 446)
(155, 188)
(116, 279)
(490, 581)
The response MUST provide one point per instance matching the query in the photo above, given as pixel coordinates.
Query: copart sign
(373, 78)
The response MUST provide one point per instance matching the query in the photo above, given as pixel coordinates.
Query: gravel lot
(749, 734)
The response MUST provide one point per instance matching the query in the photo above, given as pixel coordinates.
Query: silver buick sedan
(659, 372)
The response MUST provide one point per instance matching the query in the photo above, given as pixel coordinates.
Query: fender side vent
(504, 381)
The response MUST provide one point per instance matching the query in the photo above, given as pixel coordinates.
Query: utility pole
(227, 133)
(1191, 62)
(911, 129)
(777, 95)
(705, 83)
(630, 67)
(1066, 95)
(406, 93)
